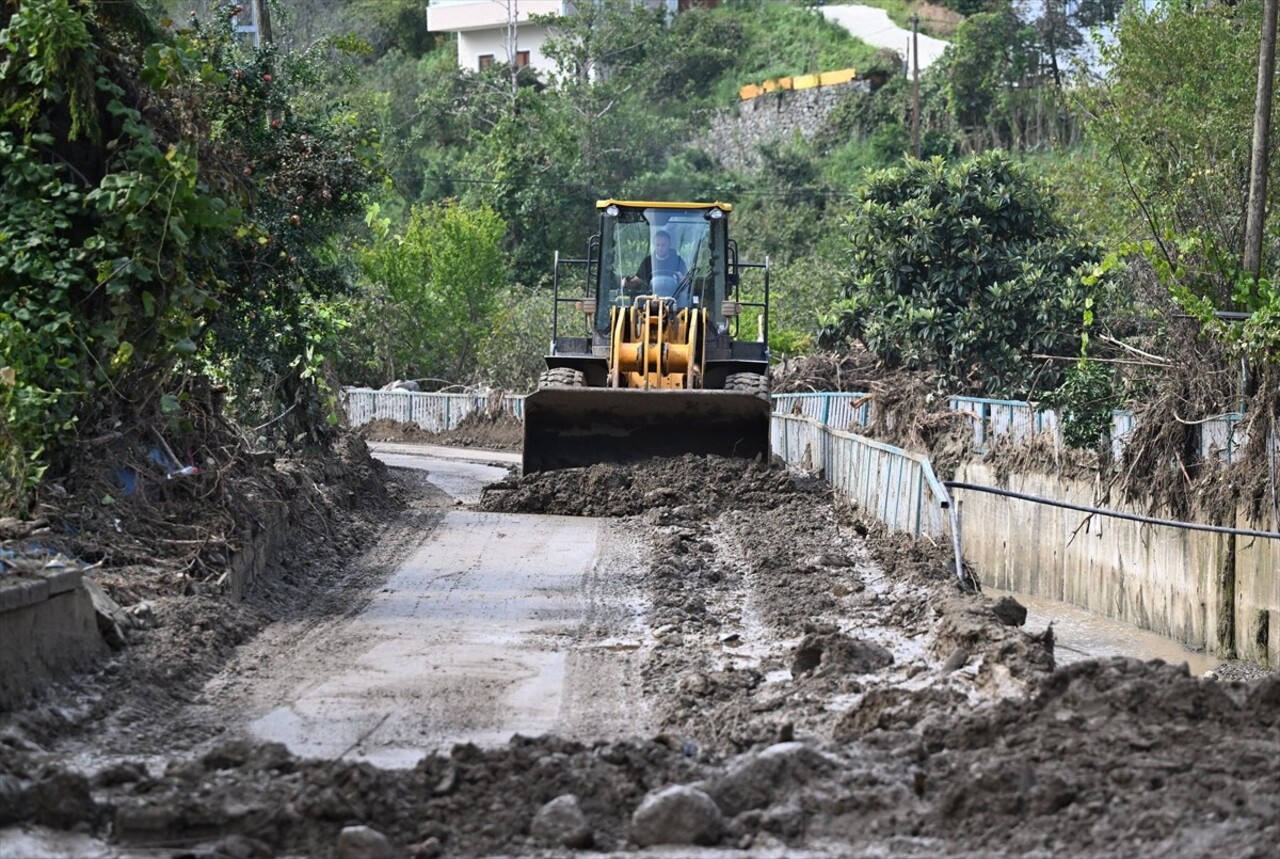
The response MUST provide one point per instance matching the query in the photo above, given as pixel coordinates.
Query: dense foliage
(165, 213)
(435, 286)
(964, 269)
(1174, 117)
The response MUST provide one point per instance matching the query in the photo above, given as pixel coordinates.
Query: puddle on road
(1080, 634)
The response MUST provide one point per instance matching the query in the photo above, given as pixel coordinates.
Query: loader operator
(662, 270)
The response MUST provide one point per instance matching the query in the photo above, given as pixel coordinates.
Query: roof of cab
(642, 204)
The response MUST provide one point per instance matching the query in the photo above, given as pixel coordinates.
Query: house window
(486, 60)
(522, 59)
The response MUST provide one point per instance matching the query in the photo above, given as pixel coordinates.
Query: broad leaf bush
(967, 270)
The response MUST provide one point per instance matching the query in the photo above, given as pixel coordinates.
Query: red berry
(267, 78)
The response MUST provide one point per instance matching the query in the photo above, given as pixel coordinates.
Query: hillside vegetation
(192, 227)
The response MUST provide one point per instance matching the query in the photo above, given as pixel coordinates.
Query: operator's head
(661, 244)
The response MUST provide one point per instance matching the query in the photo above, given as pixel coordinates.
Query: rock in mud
(15, 805)
(362, 842)
(562, 823)
(828, 651)
(678, 814)
(955, 661)
(63, 800)
(756, 780)
(241, 847)
(112, 620)
(1010, 612)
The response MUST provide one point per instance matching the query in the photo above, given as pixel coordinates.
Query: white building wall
(475, 43)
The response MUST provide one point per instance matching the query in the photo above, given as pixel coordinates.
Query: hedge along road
(496, 624)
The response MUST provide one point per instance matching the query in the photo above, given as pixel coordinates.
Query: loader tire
(562, 377)
(749, 383)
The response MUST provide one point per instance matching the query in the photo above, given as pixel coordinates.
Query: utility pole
(915, 85)
(1255, 215)
(262, 38)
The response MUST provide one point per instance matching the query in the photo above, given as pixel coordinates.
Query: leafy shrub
(965, 269)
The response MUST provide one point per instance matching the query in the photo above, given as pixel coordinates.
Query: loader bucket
(571, 427)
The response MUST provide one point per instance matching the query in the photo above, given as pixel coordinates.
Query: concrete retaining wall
(45, 638)
(49, 628)
(1212, 591)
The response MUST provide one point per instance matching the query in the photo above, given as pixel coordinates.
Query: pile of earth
(772, 621)
(490, 430)
(688, 486)
(175, 628)
(1110, 758)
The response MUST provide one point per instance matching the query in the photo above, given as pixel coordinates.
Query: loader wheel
(748, 383)
(562, 377)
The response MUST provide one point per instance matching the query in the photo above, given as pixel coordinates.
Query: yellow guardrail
(840, 76)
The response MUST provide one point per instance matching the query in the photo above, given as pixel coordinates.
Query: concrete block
(63, 580)
(16, 593)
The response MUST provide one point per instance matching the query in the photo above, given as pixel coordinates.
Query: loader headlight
(611, 211)
(715, 214)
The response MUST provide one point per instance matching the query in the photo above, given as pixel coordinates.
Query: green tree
(967, 270)
(1174, 120)
(435, 289)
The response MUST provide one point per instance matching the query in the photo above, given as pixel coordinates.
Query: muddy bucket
(572, 427)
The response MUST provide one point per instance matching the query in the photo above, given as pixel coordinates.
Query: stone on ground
(756, 779)
(561, 822)
(361, 842)
(678, 814)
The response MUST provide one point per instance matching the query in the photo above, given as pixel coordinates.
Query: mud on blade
(571, 427)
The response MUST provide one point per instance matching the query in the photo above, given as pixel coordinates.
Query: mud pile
(179, 629)
(489, 430)
(775, 622)
(471, 802)
(1114, 758)
(689, 486)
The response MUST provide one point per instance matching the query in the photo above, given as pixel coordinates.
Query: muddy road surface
(495, 625)
(694, 657)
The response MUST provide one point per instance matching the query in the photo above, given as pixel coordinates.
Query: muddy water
(1079, 634)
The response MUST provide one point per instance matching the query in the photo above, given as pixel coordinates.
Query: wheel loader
(657, 366)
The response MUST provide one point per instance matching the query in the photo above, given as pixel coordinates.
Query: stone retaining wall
(781, 115)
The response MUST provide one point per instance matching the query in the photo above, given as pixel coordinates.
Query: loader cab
(695, 272)
(736, 334)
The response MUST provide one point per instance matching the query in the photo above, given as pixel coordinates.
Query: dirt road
(497, 624)
(695, 657)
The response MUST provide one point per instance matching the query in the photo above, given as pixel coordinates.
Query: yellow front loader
(658, 369)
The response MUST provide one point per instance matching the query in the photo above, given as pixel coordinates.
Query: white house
(498, 31)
